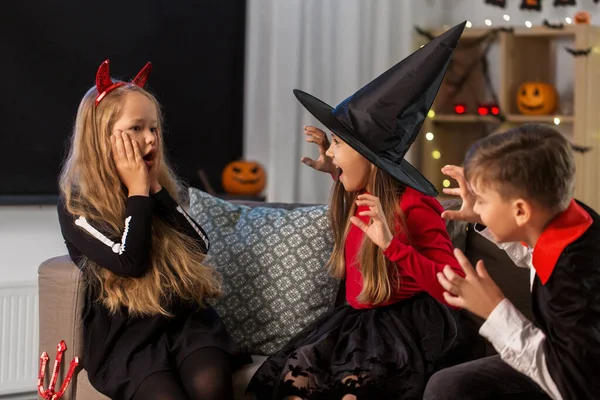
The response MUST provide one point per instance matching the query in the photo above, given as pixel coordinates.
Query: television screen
(51, 52)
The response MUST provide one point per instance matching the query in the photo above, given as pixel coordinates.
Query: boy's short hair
(533, 161)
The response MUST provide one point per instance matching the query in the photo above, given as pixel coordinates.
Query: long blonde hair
(90, 187)
(379, 278)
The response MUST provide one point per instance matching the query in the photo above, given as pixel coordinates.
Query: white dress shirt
(516, 339)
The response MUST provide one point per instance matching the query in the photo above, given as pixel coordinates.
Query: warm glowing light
(436, 154)
(429, 136)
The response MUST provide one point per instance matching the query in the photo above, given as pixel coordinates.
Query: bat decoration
(497, 3)
(564, 3)
(550, 25)
(580, 149)
(578, 53)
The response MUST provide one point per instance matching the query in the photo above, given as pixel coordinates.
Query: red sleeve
(431, 248)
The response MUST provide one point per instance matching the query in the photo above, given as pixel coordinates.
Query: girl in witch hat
(390, 242)
(148, 332)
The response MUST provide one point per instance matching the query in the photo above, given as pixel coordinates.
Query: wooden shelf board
(474, 33)
(564, 119)
(468, 33)
(444, 197)
(542, 31)
(463, 118)
(534, 31)
(515, 118)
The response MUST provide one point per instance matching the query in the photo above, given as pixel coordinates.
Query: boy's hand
(466, 212)
(323, 163)
(476, 292)
(377, 228)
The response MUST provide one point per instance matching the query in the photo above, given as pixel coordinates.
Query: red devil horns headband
(105, 85)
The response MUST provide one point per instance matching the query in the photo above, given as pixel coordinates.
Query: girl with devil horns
(390, 242)
(148, 332)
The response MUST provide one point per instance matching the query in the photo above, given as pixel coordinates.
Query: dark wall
(50, 51)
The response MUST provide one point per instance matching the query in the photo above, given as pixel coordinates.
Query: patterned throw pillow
(272, 261)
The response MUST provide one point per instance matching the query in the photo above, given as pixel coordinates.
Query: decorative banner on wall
(497, 3)
(531, 5)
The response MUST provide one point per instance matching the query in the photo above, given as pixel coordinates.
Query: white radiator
(19, 333)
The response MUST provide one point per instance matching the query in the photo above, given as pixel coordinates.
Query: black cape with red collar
(566, 300)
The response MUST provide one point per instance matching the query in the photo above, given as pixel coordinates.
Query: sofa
(61, 296)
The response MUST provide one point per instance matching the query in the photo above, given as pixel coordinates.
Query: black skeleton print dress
(120, 351)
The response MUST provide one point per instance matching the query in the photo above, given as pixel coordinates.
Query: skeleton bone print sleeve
(127, 255)
(173, 214)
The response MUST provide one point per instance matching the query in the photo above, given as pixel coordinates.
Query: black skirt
(121, 351)
(387, 353)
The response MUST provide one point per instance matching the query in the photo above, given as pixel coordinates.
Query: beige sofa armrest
(61, 296)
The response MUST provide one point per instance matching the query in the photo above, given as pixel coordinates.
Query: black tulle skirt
(385, 353)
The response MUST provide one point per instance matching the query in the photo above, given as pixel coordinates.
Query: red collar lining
(563, 230)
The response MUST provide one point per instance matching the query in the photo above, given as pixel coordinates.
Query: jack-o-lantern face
(243, 177)
(536, 98)
(582, 17)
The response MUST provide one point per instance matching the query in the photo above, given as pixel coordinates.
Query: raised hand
(323, 163)
(476, 292)
(377, 228)
(466, 212)
(130, 164)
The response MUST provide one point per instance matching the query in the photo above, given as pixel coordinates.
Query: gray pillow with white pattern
(272, 261)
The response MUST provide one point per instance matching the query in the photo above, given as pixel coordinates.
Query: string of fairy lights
(435, 154)
(528, 24)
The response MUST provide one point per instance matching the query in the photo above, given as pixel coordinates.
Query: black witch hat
(383, 119)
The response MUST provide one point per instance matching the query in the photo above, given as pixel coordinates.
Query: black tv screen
(51, 52)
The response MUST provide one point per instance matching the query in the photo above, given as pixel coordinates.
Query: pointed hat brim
(403, 171)
(383, 118)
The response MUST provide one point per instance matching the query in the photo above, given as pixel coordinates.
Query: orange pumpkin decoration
(243, 178)
(583, 17)
(536, 98)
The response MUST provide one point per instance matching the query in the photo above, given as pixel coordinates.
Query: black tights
(203, 375)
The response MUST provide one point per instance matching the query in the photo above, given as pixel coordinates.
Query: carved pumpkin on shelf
(583, 17)
(243, 178)
(536, 98)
